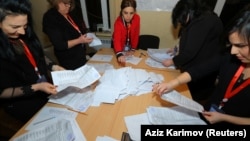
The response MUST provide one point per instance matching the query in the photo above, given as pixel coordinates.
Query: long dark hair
(191, 8)
(18, 7)
(240, 24)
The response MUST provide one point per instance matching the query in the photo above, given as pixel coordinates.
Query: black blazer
(59, 31)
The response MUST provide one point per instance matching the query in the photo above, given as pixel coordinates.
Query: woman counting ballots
(126, 31)
(67, 33)
(25, 83)
(200, 33)
(230, 100)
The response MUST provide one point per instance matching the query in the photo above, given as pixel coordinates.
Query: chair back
(148, 41)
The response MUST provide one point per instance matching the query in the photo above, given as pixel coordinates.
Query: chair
(148, 41)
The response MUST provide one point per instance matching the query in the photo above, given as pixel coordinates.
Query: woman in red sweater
(126, 31)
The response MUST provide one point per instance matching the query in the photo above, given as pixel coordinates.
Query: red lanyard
(128, 31)
(71, 21)
(230, 92)
(30, 57)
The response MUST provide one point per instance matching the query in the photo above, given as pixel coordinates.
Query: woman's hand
(161, 88)
(45, 87)
(168, 62)
(57, 68)
(85, 39)
(121, 60)
(213, 117)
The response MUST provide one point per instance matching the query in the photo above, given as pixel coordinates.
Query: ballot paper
(183, 101)
(80, 78)
(96, 41)
(58, 131)
(159, 55)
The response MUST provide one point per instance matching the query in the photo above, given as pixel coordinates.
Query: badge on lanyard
(42, 78)
(215, 108)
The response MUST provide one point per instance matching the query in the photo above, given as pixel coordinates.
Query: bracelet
(27, 90)
(118, 55)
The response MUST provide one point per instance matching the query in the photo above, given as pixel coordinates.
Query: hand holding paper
(81, 77)
(183, 101)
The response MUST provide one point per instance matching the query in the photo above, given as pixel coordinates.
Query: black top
(19, 72)
(59, 31)
(199, 41)
(226, 65)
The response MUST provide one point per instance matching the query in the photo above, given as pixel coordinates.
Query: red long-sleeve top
(120, 33)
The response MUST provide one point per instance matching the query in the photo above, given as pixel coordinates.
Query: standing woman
(200, 35)
(67, 34)
(24, 83)
(126, 31)
(230, 100)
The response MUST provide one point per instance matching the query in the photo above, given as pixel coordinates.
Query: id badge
(215, 108)
(127, 48)
(42, 79)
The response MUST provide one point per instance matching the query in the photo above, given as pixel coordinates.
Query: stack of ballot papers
(161, 116)
(157, 56)
(53, 124)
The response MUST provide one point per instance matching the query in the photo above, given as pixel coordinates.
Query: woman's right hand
(161, 88)
(121, 60)
(167, 62)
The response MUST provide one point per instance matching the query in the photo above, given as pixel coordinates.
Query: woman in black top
(230, 101)
(67, 34)
(199, 41)
(24, 80)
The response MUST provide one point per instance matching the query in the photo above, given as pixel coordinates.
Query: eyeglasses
(68, 4)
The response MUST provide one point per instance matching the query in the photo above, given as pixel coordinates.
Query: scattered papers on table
(116, 84)
(77, 101)
(161, 115)
(133, 60)
(101, 58)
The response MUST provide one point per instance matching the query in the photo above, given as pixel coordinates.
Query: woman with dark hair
(230, 100)
(126, 31)
(25, 83)
(67, 34)
(200, 34)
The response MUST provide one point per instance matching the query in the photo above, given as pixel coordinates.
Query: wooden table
(108, 119)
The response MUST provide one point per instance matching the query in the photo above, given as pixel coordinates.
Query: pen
(43, 121)
(142, 54)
